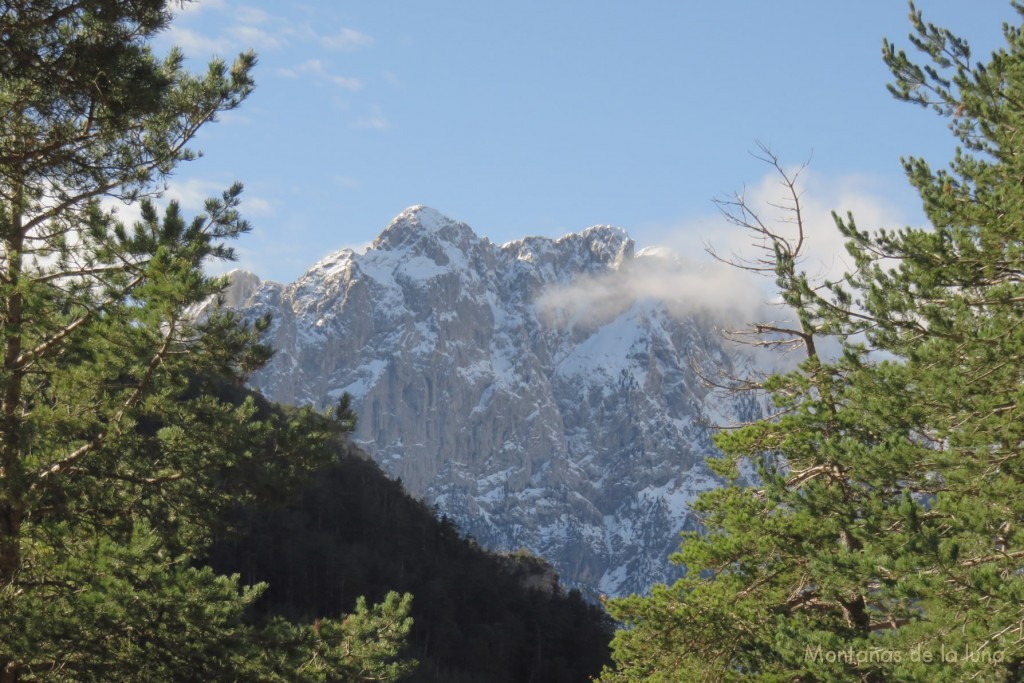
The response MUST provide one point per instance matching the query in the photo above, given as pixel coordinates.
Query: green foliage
(124, 432)
(345, 416)
(136, 613)
(366, 645)
(883, 541)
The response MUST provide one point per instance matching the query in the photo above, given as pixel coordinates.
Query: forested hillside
(477, 616)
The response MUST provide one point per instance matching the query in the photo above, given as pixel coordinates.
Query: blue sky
(549, 116)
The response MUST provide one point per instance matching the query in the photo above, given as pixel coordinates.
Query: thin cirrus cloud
(347, 39)
(185, 8)
(251, 15)
(247, 30)
(195, 43)
(253, 36)
(315, 67)
(234, 39)
(193, 193)
(375, 120)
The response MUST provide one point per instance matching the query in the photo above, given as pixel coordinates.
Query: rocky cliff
(556, 423)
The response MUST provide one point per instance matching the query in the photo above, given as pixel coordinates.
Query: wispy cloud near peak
(685, 287)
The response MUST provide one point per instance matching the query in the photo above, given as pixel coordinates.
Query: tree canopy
(121, 442)
(883, 540)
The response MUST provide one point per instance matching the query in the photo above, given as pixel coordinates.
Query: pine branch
(26, 359)
(96, 442)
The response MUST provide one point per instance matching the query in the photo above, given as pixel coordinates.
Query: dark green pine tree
(884, 539)
(119, 448)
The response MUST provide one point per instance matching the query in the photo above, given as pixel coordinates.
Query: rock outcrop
(577, 431)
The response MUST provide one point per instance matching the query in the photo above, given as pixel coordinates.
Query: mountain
(525, 390)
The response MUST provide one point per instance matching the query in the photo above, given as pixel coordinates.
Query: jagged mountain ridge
(580, 437)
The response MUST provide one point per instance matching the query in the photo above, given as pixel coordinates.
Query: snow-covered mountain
(513, 386)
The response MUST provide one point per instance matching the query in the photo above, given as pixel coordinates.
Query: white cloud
(192, 193)
(346, 82)
(347, 39)
(374, 121)
(243, 32)
(310, 66)
(256, 206)
(733, 298)
(824, 250)
(251, 37)
(193, 7)
(129, 214)
(685, 287)
(196, 44)
(315, 67)
(250, 15)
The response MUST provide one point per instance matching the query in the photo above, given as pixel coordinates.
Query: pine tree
(883, 540)
(124, 431)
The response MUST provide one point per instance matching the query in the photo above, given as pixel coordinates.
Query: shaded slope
(478, 616)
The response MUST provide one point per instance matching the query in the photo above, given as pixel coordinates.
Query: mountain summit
(494, 392)
(417, 223)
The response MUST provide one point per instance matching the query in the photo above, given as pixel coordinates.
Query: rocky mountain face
(576, 427)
